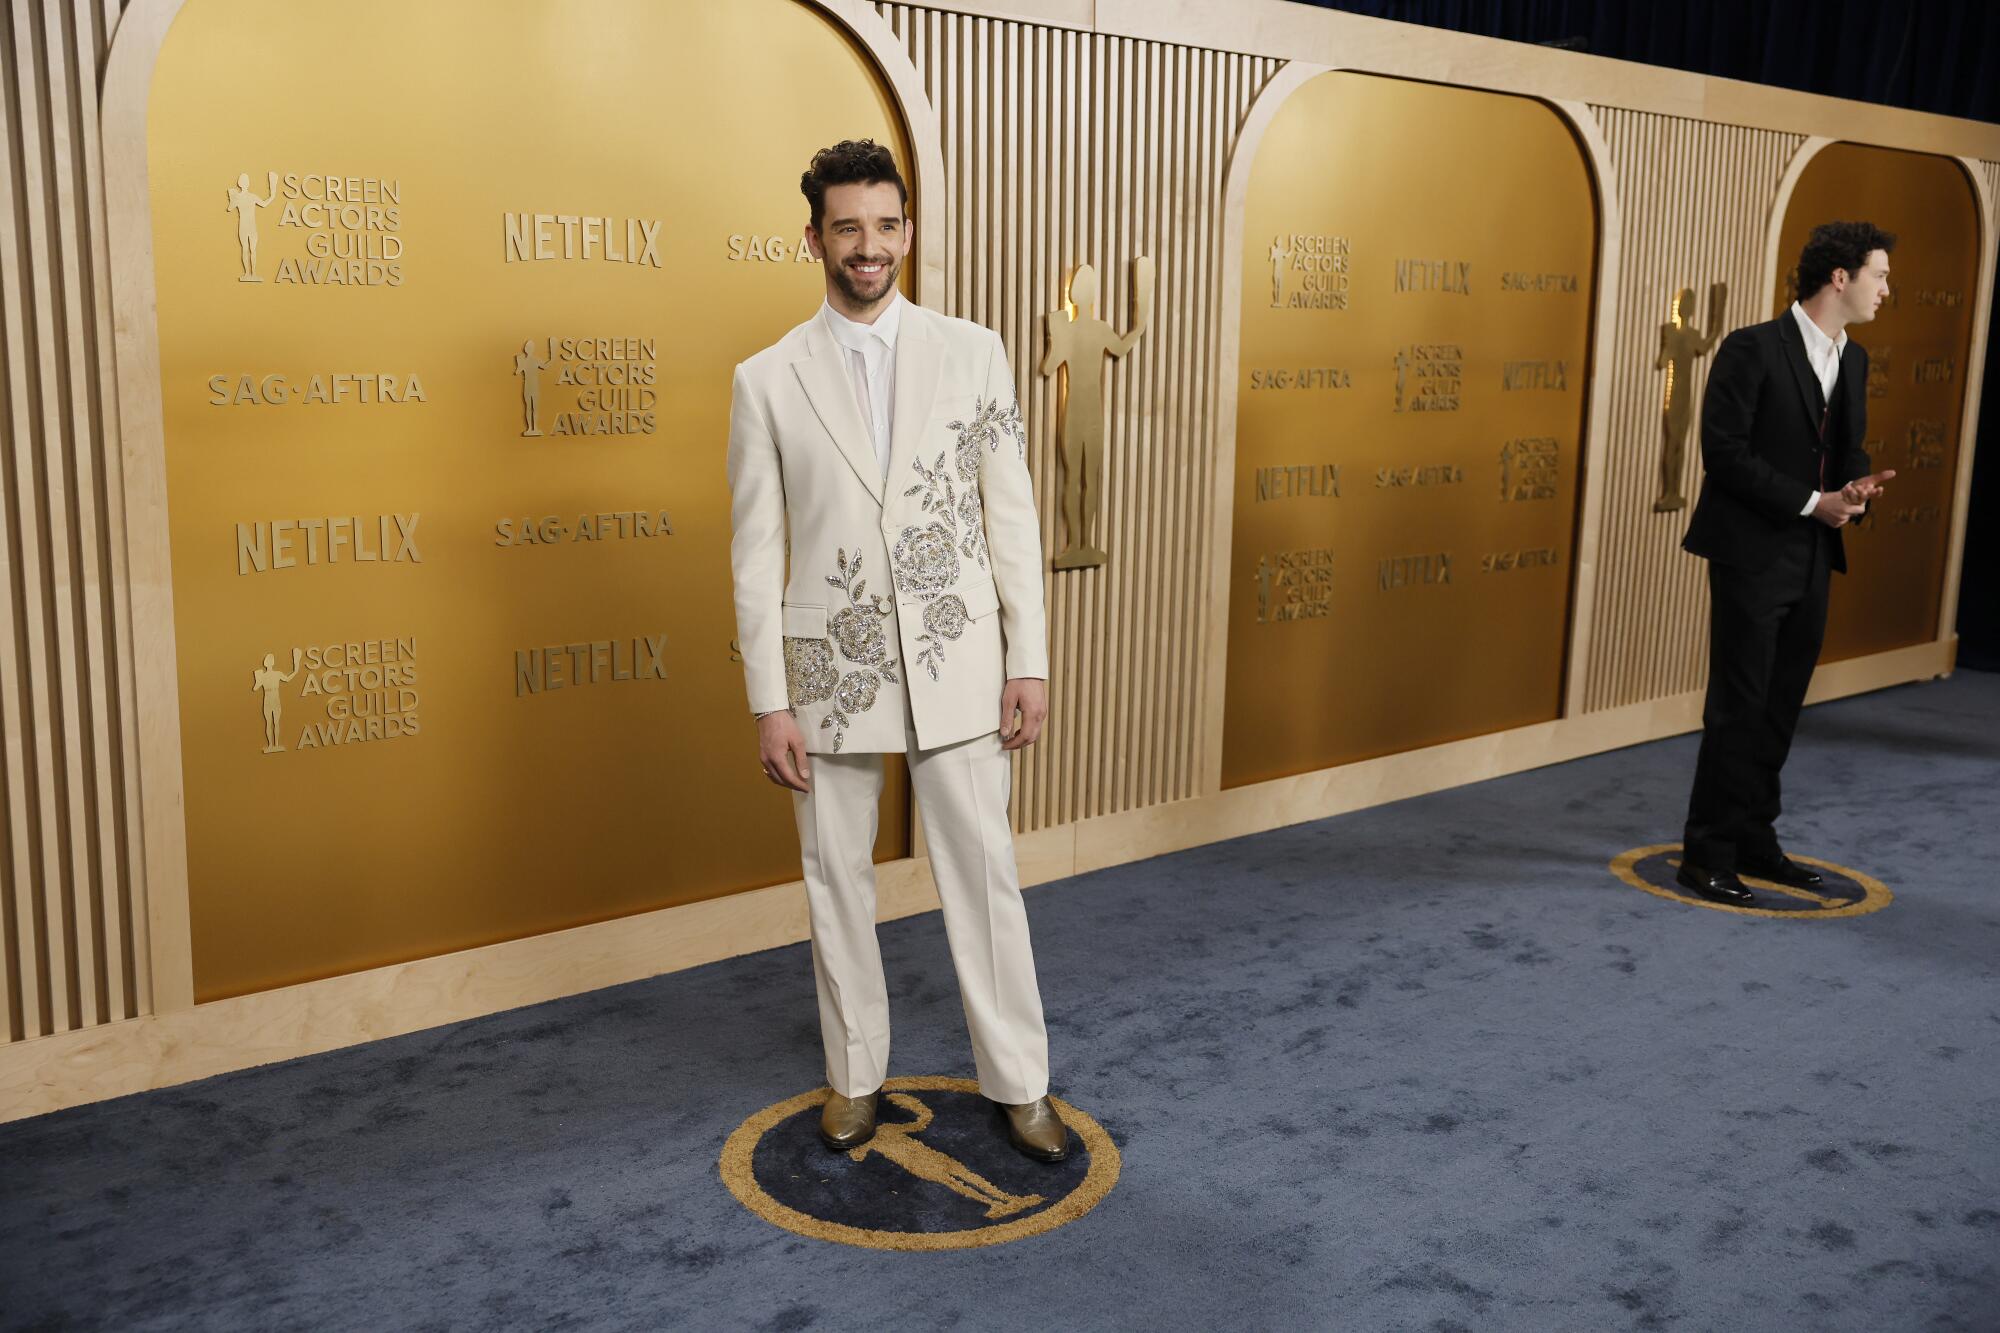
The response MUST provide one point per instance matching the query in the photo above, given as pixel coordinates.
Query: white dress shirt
(1824, 355)
(871, 367)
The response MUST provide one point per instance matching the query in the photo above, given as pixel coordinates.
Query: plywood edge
(160, 879)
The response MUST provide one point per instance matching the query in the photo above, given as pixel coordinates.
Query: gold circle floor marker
(938, 1175)
(1845, 893)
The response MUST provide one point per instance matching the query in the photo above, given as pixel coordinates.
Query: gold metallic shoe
(847, 1122)
(1037, 1130)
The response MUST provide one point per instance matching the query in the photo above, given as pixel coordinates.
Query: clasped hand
(1837, 508)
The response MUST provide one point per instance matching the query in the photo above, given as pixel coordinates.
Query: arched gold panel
(445, 354)
(1919, 348)
(1410, 401)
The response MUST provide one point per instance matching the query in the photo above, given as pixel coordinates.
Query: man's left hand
(1861, 491)
(1024, 706)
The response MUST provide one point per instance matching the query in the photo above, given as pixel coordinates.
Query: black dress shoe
(1784, 870)
(1718, 886)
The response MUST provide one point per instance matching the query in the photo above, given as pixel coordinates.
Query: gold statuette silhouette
(529, 366)
(244, 203)
(268, 679)
(1680, 344)
(1077, 342)
(896, 1140)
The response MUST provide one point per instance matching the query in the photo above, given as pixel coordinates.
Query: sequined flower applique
(857, 629)
(988, 423)
(927, 557)
(809, 671)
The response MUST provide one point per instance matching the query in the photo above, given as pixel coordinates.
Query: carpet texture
(1427, 1066)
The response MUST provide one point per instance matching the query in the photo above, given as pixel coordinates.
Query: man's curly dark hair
(849, 162)
(1838, 245)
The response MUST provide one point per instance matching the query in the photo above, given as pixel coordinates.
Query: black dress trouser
(1765, 630)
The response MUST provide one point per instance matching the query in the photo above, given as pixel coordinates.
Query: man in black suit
(1784, 471)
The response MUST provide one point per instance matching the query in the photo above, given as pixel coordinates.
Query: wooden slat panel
(69, 953)
(1697, 200)
(1066, 147)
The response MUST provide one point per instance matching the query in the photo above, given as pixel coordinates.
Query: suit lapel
(1810, 397)
(823, 375)
(919, 367)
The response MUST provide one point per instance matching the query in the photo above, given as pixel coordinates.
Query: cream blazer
(921, 594)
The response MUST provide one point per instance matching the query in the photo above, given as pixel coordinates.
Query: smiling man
(1784, 472)
(884, 441)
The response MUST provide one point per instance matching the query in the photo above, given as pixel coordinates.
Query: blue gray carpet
(1428, 1066)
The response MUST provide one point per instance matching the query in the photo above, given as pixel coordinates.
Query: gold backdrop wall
(1411, 387)
(1919, 348)
(444, 453)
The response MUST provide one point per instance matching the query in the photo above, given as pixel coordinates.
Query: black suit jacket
(1761, 445)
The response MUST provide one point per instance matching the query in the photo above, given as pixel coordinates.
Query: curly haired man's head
(860, 226)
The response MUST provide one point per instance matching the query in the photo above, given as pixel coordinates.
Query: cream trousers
(961, 793)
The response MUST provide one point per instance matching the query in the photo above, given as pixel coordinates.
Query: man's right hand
(1834, 510)
(783, 749)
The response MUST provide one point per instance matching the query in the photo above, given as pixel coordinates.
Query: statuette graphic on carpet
(938, 1175)
(1843, 892)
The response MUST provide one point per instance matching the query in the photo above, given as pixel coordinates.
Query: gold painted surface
(1415, 345)
(1919, 349)
(1075, 344)
(523, 802)
(1681, 345)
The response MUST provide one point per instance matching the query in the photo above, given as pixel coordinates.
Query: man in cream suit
(882, 445)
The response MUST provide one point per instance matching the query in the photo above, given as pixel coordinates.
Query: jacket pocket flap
(981, 601)
(804, 622)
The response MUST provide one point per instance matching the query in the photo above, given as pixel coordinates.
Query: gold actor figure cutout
(269, 679)
(244, 205)
(895, 1140)
(1680, 345)
(1077, 342)
(529, 366)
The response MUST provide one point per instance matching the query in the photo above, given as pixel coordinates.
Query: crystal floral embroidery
(857, 629)
(989, 422)
(927, 557)
(926, 563)
(809, 673)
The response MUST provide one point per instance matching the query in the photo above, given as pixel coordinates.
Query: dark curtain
(1928, 55)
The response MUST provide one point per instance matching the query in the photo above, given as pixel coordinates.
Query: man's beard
(850, 288)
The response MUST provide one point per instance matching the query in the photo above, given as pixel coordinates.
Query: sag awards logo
(1294, 585)
(1309, 272)
(1881, 367)
(1530, 469)
(938, 1175)
(604, 386)
(1926, 444)
(351, 693)
(1841, 892)
(1429, 377)
(340, 231)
